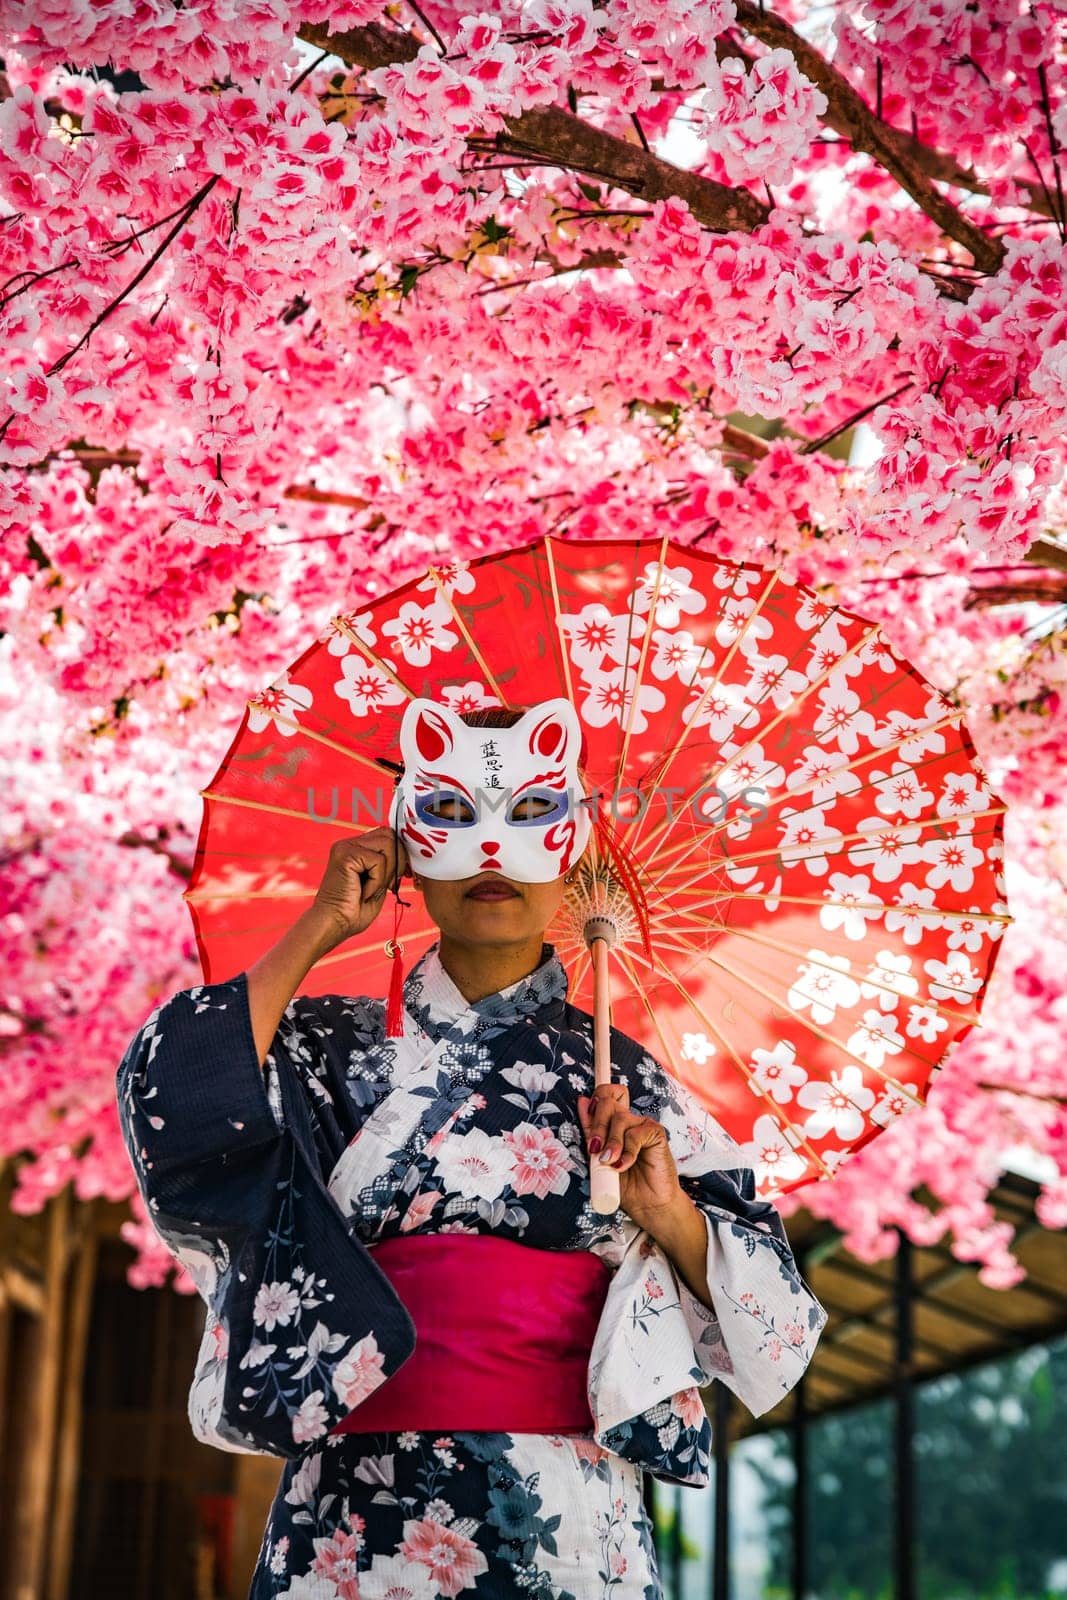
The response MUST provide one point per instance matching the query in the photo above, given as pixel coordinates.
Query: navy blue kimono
(272, 1184)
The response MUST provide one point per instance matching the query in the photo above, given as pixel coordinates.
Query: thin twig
(640, 130)
(424, 19)
(1053, 146)
(821, 443)
(197, 199)
(308, 70)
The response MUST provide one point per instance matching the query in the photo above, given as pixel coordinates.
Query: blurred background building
(921, 1458)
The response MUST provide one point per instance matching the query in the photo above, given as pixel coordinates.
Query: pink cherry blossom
(368, 348)
(759, 121)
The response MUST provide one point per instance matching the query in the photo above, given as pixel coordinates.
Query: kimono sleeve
(229, 1157)
(765, 1322)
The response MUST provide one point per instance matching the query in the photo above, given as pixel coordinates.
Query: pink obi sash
(503, 1335)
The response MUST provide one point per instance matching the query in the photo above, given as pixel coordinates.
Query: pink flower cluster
(758, 121)
(276, 339)
(166, 44)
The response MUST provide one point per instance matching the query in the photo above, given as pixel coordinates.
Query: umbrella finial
(601, 925)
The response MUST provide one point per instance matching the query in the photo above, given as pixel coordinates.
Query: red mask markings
(548, 738)
(432, 736)
(559, 840)
(431, 782)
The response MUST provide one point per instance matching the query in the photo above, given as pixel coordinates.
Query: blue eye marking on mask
(441, 797)
(557, 808)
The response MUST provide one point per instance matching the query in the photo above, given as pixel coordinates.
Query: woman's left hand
(637, 1149)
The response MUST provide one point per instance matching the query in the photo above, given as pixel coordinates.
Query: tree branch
(743, 443)
(738, 441)
(1046, 553)
(853, 117)
(946, 169)
(935, 163)
(1048, 590)
(550, 134)
(177, 864)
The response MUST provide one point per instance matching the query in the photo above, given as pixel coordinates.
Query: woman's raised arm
(347, 901)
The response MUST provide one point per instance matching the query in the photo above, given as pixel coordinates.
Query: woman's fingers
(642, 1131)
(604, 1118)
(357, 876)
(606, 1101)
(378, 875)
(614, 1136)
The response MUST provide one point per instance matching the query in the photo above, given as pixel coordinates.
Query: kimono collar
(431, 997)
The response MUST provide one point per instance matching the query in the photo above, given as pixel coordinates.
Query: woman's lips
(492, 891)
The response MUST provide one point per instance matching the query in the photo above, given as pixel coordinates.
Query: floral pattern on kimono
(273, 1184)
(270, 1183)
(228, 1160)
(415, 1516)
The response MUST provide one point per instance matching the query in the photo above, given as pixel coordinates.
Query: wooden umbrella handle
(603, 1181)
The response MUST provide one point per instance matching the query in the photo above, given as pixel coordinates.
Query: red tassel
(394, 1007)
(394, 1010)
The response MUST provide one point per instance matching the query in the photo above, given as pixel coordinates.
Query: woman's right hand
(358, 873)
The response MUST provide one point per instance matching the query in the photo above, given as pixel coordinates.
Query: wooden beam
(33, 1520)
(68, 1449)
(858, 1321)
(950, 1273)
(17, 1288)
(855, 1395)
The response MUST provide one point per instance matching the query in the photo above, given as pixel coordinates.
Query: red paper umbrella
(811, 837)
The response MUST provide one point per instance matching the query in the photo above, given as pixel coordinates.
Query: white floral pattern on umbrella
(671, 588)
(419, 631)
(595, 632)
(278, 706)
(825, 890)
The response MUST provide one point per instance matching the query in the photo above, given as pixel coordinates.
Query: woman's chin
(495, 913)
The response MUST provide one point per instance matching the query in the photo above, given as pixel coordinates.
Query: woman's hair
(493, 716)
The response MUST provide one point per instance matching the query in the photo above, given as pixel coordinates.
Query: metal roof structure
(891, 1325)
(956, 1321)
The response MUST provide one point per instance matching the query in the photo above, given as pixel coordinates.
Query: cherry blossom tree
(299, 296)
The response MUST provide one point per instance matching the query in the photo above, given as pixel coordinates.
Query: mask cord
(394, 1009)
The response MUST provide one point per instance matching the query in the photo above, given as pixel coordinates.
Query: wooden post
(79, 1302)
(34, 1513)
(801, 1573)
(904, 1521)
(721, 1420)
(801, 1493)
(255, 1485)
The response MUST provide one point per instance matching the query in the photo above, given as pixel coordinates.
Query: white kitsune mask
(472, 800)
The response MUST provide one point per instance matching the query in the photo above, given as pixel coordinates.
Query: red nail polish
(594, 1145)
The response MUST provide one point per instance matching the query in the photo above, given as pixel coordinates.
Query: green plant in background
(991, 1487)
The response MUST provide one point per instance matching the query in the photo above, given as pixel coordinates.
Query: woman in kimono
(409, 1297)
